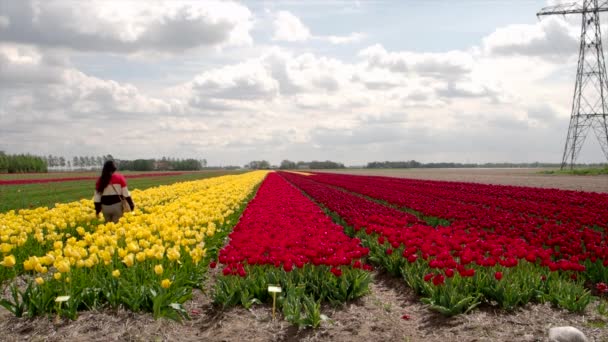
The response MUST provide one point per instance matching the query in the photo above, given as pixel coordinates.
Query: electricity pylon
(589, 107)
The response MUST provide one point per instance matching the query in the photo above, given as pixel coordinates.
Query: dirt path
(375, 317)
(520, 177)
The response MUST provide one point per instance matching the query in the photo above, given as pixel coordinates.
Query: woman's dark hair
(106, 173)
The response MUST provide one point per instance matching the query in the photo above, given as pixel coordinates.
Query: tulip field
(320, 237)
(149, 261)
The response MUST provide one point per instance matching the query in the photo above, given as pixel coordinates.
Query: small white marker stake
(274, 290)
(59, 300)
(62, 299)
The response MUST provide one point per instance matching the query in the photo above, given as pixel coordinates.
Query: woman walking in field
(110, 189)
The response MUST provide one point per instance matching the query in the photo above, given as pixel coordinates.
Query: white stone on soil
(566, 334)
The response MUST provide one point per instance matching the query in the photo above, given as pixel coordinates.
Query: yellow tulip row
(167, 221)
(48, 224)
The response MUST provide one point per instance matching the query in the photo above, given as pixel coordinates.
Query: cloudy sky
(351, 81)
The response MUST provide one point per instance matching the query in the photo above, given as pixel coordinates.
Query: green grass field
(47, 194)
(594, 171)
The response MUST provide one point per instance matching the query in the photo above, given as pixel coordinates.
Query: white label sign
(62, 299)
(274, 289)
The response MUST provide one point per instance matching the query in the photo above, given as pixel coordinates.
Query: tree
(258, 165)
(328, 164)
(287, 165)
(22, 163)
(3, 162)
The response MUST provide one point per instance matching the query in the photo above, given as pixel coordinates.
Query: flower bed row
(68, 179)
(549, 234)
(454, 267)
(285, 239)
(150, 260)
(33, 232)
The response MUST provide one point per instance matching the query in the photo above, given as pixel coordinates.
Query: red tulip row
(458, 266)
(582, 208)
(451, 247)
(285, 239)
(281, 227)
(510, 227)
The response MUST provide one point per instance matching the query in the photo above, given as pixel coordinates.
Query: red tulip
(438, 279)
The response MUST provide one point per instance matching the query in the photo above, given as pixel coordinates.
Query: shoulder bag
(125, 205)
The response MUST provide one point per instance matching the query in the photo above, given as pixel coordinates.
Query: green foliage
(572, 296)
(602, 306)
(303, 289)
(596, 272)
(18, 163)
(18, 303)
(590, 171)
(137, 288)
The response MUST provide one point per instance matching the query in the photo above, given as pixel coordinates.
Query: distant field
(52, 175)
(11, 176)
(531, 177)
(47, 194)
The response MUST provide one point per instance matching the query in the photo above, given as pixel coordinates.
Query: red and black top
(112, 192)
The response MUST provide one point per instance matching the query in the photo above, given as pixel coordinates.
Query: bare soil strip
(379, 316)
(518, 177)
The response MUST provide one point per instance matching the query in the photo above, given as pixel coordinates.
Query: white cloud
(4, 22)
(552, 38)
(448, 65)
(351, 38)
(24, 66)
(247, 81)
(317, 99)
(126, 26)
(288, 27)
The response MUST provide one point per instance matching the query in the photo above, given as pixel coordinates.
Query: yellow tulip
(165, 283)
(5, 248)
(140, 257)
(129, 260)
(63, 266)
(173, 254)
(9, 261)
(39, 281)
(158, 269)
(116, 273)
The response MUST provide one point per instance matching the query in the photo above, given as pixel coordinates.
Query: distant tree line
(412, 164)
(29, 163)
(18, 163)
(76, 163)
(258, 165)
(328, 164)
(291, 165)
(164, 164)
